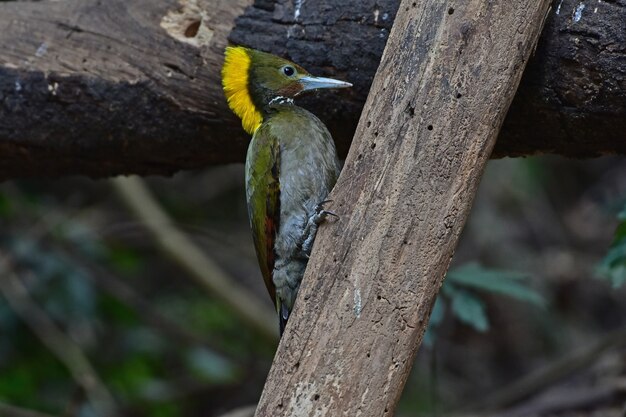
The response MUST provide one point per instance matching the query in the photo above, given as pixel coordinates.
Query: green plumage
(263, 198)
(291, 167)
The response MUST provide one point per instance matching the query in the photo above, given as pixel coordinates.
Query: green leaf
(470, 310)
(613, 266)
(616, 256)
(620, 232)
(617, 276)
(495, 281)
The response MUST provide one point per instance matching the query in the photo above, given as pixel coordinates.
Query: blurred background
(100, 312)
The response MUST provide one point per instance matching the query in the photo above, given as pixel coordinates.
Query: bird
(291, 164)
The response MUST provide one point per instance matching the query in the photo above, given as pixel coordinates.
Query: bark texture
(571, 100)
(403, 198)
(108, 87)
(103, 88)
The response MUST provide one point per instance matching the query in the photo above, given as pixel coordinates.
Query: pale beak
(316, 83)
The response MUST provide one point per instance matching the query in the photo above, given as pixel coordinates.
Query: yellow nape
(235, 83)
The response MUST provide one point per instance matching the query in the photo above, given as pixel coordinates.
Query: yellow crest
(235, 83)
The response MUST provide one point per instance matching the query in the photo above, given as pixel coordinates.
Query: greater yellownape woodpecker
(291, 164)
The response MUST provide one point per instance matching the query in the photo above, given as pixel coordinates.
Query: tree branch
(403, 197)
(192, 260)
(102, 88)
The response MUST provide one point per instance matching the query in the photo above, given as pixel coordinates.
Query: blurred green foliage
(72, 244)
(462, 290)
(59, 255)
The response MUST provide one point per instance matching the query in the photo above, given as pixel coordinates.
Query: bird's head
(253, 79)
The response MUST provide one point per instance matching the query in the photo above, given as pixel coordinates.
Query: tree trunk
(403, 198)
(103, 88)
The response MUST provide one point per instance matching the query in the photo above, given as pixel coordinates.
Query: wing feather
(263, 195)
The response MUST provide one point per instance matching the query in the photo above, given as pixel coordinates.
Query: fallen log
(103, 88)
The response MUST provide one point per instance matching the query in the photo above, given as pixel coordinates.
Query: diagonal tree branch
(192, 260)
(403, 196)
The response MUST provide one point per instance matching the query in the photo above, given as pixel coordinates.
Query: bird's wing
(263, 195)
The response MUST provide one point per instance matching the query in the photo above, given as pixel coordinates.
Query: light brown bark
(403, 198)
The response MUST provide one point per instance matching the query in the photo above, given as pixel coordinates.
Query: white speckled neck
(280, 100)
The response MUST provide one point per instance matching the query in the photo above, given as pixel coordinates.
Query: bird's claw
(324, 202)
(321, 213)
(310, 228)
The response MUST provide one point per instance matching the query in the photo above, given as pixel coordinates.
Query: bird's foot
(320, 214)
(310, 229)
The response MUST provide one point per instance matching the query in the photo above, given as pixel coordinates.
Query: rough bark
(102, 88)
(106, 87)
(571, 100)
(403, 198)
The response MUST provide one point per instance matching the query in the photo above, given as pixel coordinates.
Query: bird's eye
(288, 70)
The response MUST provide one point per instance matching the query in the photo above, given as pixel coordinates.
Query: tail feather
(283, 316)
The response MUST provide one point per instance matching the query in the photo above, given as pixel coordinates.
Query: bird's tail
(283, 315)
